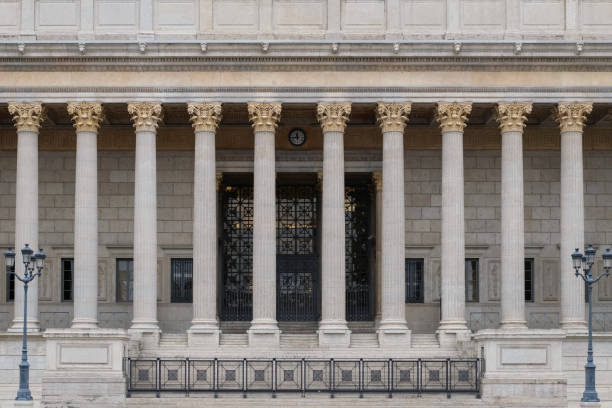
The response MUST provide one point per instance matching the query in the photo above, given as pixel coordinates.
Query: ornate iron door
(357, 230)
(297, 260)
(237, 247)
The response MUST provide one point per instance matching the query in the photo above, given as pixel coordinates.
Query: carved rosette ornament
(333, 116)
(27, 116)
(512, 116)
(572, 116)
(264, 115)
(204, 115)
(392, 117)
(86, 115)
(453, 116)
(145, 115)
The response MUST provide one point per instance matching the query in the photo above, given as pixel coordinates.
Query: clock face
(297, 137)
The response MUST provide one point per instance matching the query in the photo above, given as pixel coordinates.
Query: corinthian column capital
(512, 116)
(333, 116)
(264, 115)
(453, 116)
(392, 117)
(204, 115)
(145, 115)
(572, 116)
(86, 115)
(27, 115)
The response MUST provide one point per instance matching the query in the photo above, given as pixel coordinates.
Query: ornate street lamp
(585, 263)
(32, 262)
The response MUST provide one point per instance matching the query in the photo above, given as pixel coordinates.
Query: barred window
(181, 284)
(471, 279)
(67, 278)
(529, 291)
(414, 280)
(125, 279)
(10, 285)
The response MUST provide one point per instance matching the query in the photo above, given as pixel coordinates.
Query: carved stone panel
(604, 287)
(543, 320)
(494, 280)
(436, 280)
(160, 280)
(102, 281)
(483, 320)
(4, 321)
(602, 321)
(55, 320)
(550, 280)
(114, 320)
(50, 274)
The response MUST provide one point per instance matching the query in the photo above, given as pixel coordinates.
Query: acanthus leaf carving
(392, 117)
(145, 115)
(572, 116)
(204, 116)
(453, 116)
(264, 115)
(512, 116)
(86, 115)
(27, 116)
(333, 116)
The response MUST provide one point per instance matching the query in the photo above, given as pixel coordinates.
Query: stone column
(377, 182)
(571, 118)
(145, 117)
(86, 117)
(28, 118)
(333, 330)
(205, 118)
(452, 118)
(393, 330)
(264, 328)
(511, 118)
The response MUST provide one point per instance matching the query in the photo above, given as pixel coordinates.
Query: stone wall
(423, 180)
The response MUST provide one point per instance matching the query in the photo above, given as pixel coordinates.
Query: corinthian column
(571, 118)
(333, 330)
(511, 118)
(145, 117)
(28, 118)
(264, 328)
(393, 330)
(86, 117)
(205, 118)
(452, 118)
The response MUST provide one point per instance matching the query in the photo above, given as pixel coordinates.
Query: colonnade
(333, 118)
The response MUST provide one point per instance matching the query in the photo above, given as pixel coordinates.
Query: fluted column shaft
(264, 117)
(205, 118)
(511, 117)
(452, 118)
(86, 117)
(571, 117)
(145, 116)
(28, 118)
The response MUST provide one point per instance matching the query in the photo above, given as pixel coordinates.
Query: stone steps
(234, 339)
(364, 340)
(424, 341)
(300, 341)
(173, 340)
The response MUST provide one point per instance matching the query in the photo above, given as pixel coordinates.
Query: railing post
(419, 379)
(274, 378)
(448, 371)
(245, 378)
(187, 385)
(158, 377)
(332, 377)
(390, 377)
(303, 382)
(477, 379)
(216, 377)
(129, 374)
(361, 380)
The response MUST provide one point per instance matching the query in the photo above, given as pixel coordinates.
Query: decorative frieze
(513, 115)
(145, 115)
(572, 116)
(392, 117)
(27, 116)
(204, 115)
(264, 115)
(86, 115)
(333, 116)
(453, 116)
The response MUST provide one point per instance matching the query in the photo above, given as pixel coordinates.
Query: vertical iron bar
(448, 370)
(158, 376)
(216, 377)
(245, 378)
(332, 377)
(129, 361)
(390, 376)
(187, 385)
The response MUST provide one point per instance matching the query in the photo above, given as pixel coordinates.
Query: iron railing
(303, 376)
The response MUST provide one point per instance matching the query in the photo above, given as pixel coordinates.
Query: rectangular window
(10, 285)
(529, 268)
(181, 276)
(414, 280)
(125, 279)
(471, 279)
(67, 278)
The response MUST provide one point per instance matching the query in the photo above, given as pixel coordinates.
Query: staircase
(299, 340)
(173, 340)
(424, 341)
(234, 339)
(364, 340)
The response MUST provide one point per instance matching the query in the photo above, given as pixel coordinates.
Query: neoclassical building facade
(371, 197)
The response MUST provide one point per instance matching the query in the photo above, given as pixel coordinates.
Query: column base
(452, 332)
(334, 334)
(514, 325)
(264, 333)
(204, 334)
(393, 334)
(87, 324)
(17, 326)
(575, 327)
(146, 334)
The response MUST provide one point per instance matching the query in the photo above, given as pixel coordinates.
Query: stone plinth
(85, 367)
(523, 363)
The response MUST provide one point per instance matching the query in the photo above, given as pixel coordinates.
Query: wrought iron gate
(297, 261)
(357, 231)
(237, 247)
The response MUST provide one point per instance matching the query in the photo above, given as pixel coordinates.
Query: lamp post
(32, 262)
(583, 264)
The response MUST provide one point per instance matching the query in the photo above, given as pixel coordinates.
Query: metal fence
(304, 376)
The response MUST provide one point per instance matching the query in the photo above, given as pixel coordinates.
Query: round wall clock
(297, 137)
